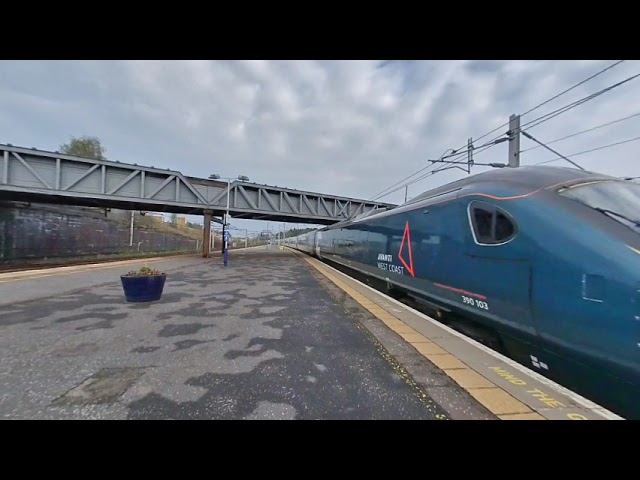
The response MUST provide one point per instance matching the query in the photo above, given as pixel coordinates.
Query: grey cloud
(482, 66)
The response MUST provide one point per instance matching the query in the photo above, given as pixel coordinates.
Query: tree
(87, 147)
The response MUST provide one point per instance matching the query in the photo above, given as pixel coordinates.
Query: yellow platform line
(499, 402)
(69, 269)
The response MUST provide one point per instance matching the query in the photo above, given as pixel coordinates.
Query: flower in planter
(144, 271)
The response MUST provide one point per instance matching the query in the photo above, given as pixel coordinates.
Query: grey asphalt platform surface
(264, 338)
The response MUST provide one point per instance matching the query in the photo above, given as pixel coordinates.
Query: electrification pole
(514, 140)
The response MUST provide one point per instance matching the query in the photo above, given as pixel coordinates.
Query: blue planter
(146, 288)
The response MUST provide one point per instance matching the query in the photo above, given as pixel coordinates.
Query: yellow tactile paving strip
(52, 271)
(495, 399)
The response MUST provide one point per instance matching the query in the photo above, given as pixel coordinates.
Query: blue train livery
(545, 259)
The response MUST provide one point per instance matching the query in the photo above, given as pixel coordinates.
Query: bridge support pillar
(206, 239)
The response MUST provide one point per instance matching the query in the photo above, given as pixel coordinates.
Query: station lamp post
(225, 223)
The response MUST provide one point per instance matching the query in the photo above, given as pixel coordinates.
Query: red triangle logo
(407, 238)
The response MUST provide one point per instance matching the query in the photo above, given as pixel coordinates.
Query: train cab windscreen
(616, 198)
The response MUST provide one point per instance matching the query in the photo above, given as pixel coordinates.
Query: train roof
(524, 179)
(530, 177)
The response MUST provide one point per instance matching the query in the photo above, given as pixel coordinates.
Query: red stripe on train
(458, 290)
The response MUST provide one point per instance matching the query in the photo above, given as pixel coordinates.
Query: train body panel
(525, 254)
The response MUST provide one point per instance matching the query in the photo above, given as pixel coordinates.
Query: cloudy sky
(348, 128)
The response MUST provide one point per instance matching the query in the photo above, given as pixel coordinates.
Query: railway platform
(275, 335)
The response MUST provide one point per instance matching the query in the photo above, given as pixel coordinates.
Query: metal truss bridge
(32, 175)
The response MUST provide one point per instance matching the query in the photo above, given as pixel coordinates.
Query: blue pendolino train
(546, 260)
